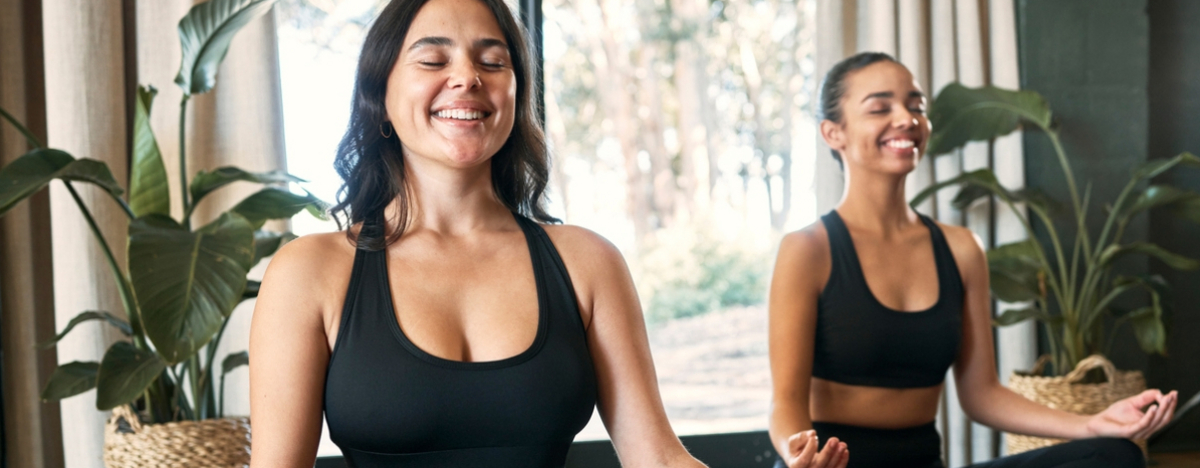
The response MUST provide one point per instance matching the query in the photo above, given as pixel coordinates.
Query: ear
(834, 135)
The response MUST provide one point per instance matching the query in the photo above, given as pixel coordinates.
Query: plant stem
(194, 376)
(32, 140)
(123, 286)
(183, 185)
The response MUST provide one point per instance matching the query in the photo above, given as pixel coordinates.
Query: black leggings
(920, 447)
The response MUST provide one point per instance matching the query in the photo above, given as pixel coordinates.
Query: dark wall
(1123, 80)
(1174, 92)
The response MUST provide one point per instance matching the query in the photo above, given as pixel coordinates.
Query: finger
(810, 450)
(1147, 397)
(1164, 416)
(845, 458)
(1135, 430)
(827, 453)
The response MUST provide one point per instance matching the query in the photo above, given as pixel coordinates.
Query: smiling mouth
(900, 143)
(461, 114)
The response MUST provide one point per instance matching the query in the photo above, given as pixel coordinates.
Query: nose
(905, 119)
(463, 74)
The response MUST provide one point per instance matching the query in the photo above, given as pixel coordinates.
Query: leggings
(921, 447)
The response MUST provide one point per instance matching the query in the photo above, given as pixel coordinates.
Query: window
(681, 130)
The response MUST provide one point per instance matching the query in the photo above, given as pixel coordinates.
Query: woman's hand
(1126, 418)
(802, 452)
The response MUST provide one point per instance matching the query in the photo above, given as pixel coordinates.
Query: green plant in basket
(181, 283)
(1067, 284)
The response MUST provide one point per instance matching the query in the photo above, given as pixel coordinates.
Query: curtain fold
(85, 56)
(31, 427)
(942, 41)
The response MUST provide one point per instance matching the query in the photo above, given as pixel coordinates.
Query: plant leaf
(205, 182)
(234, 360)
(1158, 195)
(1173, 260)
(1148, 328)
(1154, 168)
(251, 289)
(148, 189)
(1014, 269)
(267, 242)
(113, 320)
(1013, 316)
(980, 177)
(124, 374)
(274, 203)
(70, 379)
(205, 33)
(187, 283)
(29, 173)
(961, 114)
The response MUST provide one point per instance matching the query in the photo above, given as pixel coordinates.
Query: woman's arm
(802, 266)
(288, 356)
(988, 402)
(628, 397)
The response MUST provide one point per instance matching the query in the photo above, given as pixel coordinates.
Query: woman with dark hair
(447, 326)
(870, 307)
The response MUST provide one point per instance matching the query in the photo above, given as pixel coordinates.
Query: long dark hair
(372, 167)
(833, 87)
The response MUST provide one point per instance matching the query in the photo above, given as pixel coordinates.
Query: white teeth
(899, 144)
(460, 114)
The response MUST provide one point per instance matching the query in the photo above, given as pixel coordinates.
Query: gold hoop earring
(387, 134)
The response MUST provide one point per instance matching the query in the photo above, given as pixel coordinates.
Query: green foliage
(1072, 295)
(685, 275)
(181, 285)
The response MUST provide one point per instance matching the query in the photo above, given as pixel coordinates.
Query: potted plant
(1066, 283)
(181, 283)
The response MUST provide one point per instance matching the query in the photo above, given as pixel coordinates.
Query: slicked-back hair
(833, 87)
(372, 166)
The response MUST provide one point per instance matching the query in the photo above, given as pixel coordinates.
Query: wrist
(1084, 427)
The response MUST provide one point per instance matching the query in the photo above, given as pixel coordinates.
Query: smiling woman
(445, 326)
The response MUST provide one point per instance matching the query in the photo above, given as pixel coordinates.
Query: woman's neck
(876, 202)
(451, 201)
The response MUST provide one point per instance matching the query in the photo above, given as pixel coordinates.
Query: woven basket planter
(1067, 394)
(211, 443)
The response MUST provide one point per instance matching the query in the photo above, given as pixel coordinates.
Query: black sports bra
(859, 341)
(388, 403)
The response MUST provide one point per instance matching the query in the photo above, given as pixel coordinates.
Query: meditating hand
(803, 453)
(1126, 418)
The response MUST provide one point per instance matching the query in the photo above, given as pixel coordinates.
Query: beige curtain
(92, 53)
(26, 281)
(942, 41)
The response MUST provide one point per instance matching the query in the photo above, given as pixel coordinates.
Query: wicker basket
(211, 443)
(1065, 393)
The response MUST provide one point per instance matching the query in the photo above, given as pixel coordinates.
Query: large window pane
(682, 131)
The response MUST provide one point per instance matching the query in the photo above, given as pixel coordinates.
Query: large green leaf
(983, 178)
(29, 173)
(1155, 196)
(70, 379)
(205, 182)
(267, 242)
(273, 203)
(113, 320)
(1014, 269)
(1188, 209)
(961, 114)
(1155, 168)
(187, 282)
(1173, 260)
(148, 189)
(205, 33)
(124, 374)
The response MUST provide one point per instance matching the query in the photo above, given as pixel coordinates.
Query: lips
(900, 143)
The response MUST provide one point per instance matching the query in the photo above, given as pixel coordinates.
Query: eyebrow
(445, 41)
(889, 94)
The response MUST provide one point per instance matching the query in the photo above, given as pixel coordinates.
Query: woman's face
(884, 127)
(452, 93)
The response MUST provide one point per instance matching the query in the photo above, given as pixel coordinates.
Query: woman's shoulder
(808, 244)
(571, 240)
(310, 262)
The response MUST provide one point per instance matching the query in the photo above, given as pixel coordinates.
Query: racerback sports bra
(859, 341)
(390, 404)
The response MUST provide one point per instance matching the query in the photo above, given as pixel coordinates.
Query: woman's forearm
(786, 420)
(1001, 408)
